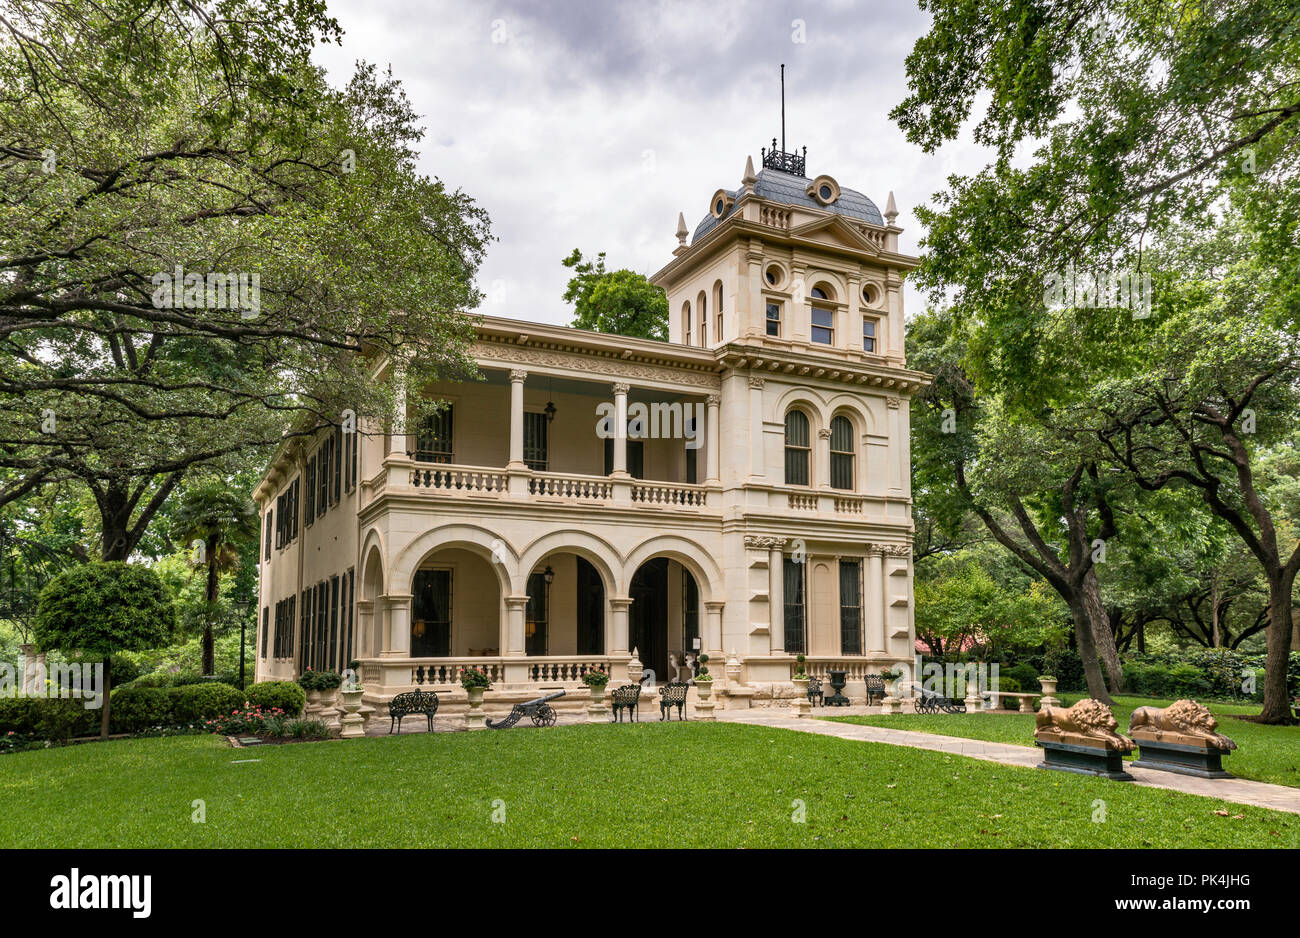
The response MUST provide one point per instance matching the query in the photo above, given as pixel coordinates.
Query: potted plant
(475, 681)
(704, 680)
(890, 676)
(1048, 684)
(596, 679)
(799, 668)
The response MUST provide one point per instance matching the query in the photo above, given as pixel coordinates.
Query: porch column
(711, 441)
(517, 377)
(516, 613)
(874, 602)
(365, 627)
(620, 429)
(776, 595)
(713, 630)
(618, 639)
(397, 432)
(399, 625)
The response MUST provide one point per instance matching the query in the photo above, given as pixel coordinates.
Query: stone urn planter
(475, 717)
(597, 712)
(329, 708)
(312, 710)
(1048, 684)
(800, 686)
(353, 724)
(704, 706)
(475, 697)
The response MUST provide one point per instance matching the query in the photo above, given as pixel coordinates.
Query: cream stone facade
(757, 506)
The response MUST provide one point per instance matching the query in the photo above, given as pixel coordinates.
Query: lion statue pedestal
(1180, 738)
(1082, 739)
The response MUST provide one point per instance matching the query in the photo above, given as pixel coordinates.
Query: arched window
(841, 453)
(717, 311)
(796, 448)
(686, 323)
(703, 303)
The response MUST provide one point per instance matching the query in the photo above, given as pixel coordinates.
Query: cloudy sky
(592, 124)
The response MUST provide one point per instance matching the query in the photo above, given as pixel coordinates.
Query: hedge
(135, 708)
(1209, 673)
(286, 695)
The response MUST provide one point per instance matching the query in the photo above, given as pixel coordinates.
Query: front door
(648, 617)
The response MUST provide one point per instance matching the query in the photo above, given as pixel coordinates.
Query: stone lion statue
(1182, 717)
(1090, 718)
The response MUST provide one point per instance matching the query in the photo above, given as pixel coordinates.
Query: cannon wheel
(545, 716)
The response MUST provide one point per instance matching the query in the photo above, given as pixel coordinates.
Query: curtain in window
(841, 453)
(794, 607)
(796, 448)
(850, 607)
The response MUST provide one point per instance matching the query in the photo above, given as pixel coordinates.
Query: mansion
(741, 490)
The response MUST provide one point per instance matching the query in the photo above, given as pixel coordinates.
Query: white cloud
(593, 124)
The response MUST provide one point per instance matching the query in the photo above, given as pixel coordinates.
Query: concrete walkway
(1239, 790)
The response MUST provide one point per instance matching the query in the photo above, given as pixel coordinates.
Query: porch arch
(686, 552)
(595, 550)
(499, 554)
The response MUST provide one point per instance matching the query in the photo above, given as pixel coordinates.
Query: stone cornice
(698, 368)
(758, 358)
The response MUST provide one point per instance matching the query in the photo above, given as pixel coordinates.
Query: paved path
(1239, 790)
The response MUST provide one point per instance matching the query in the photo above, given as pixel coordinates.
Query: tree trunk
(1142, 637)
(213, 588)
(108, 685)
(1277, 701)
(1101, 632)
(1088, 651)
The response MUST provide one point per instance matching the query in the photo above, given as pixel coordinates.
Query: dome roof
(789, 189)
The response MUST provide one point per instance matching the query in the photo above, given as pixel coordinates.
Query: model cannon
(538, 710)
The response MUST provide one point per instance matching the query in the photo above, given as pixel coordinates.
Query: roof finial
(681, 233)
(749, 178)
(891, 209)
(782, 105)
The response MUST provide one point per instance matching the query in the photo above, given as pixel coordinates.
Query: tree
(217, 519)
(1113, 127)
(200, 241)
(1039, 496)
(622, 302)
(99, 608)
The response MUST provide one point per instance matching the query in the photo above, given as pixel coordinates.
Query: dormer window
(824, 190)
(721, 203)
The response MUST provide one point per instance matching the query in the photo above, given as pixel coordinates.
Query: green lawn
(660, 785)
(1264, 753)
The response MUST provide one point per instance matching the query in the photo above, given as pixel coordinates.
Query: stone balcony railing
(483, 482)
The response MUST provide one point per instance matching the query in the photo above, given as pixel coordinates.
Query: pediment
(834, 230)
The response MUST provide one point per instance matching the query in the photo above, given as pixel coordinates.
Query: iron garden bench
(875, 687)
(672, 695)
(412, 702)
(625, 698)
(815, 695)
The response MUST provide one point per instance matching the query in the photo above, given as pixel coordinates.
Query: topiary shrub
(286, 695)
(101, 608)
(137, 708)
(192, 703)
(1188, 680)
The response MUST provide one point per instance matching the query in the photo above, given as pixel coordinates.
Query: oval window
(720, 206)
(825, 193)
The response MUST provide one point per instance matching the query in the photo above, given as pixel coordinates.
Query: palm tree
(219, 518)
